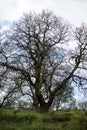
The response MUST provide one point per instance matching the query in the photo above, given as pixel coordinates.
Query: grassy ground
(30, 120)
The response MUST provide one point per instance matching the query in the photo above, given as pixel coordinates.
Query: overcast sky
(75, 11)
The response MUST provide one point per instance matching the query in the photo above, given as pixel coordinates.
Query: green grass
(30, 120)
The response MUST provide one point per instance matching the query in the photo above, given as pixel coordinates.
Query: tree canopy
(35, 58)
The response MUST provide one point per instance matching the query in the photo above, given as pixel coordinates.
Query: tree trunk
(44, 108)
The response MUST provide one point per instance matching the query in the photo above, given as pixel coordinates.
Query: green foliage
(30, 120)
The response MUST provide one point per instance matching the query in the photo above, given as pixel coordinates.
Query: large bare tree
(40, 59)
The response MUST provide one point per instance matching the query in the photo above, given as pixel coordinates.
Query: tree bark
(44, 108)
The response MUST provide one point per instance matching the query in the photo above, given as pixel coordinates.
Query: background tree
(61, 99)
(39, 59)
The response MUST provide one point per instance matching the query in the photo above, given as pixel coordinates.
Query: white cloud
(72, 10)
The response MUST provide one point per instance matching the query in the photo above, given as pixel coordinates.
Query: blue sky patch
(5, 23)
